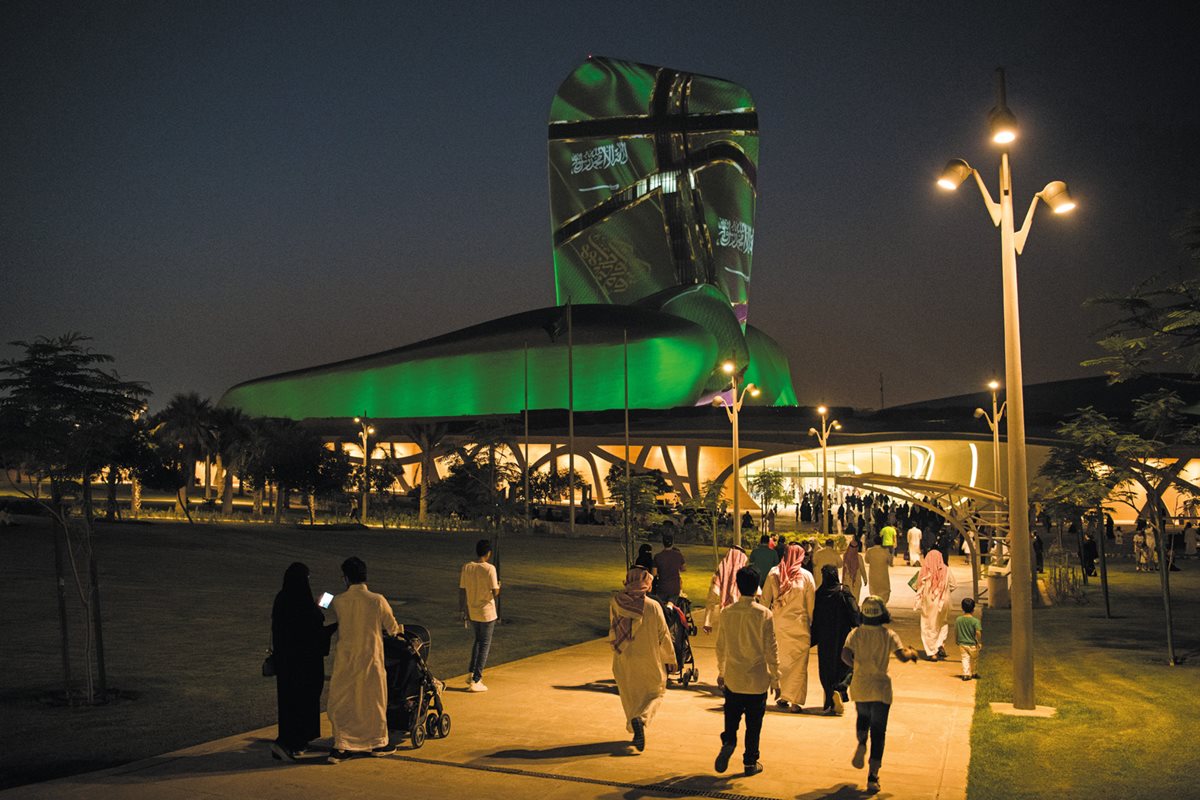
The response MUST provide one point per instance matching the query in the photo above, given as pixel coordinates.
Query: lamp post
(731, 410)
(1003, 130)
(365, 430)
(994, 423)
(822, 435)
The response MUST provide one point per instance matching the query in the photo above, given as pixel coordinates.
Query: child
(747, 666)
(969, 633)
(867, 650)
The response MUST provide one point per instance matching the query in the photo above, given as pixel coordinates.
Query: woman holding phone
(300, 642)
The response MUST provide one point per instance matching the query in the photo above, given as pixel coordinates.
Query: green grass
(187, 615)
(1126, 722)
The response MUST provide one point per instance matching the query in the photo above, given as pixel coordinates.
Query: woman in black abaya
(300, 642)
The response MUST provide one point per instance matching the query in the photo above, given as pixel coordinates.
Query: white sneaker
(477, 686)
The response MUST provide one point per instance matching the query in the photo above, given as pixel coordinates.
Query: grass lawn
(1126, 724)
(187, 616)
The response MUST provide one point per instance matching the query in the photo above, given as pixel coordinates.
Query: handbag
(268, 665)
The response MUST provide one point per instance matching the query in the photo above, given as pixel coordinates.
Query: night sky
(215, 192)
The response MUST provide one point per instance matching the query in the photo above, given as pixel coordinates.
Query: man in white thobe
(879, 582)
(358, 686)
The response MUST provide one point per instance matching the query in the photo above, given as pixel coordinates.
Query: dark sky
(215, 192)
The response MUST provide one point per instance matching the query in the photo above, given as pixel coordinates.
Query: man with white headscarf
(935, 583)
(790, 593)
(642, 652)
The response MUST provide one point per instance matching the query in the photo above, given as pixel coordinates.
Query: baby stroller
(414, 702)
(678, 611)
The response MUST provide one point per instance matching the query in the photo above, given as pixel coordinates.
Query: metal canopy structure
(973, 512)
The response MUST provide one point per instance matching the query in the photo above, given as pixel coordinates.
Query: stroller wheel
(417, 734)
(685, 679)
(444, 725)
(431, 726)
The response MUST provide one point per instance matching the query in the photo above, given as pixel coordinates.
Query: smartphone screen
(326, 599)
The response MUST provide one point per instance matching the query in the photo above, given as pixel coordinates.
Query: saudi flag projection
(652, 200)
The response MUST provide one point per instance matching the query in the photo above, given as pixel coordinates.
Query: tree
(1157, 324)
(61, 419)
(429, 437)
(186, 425)
(231, 431)
(767, 486)
(643, 491)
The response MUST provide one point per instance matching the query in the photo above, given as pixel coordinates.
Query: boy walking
(867, 650)
(478, 588)
(968, 630)
(747, 667)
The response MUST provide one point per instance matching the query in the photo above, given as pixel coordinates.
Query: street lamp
(1055, 195)
(731, 410)
(822, 435)
(994, 423)
(366, 430)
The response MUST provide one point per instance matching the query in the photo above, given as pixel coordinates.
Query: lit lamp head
(813, 432)
(754, 392)
(728, 367)
(837, 426)
(1003, 125)
(1057, 197)
(993, 385)
(979, 412)
(822, 410)
(954, 174)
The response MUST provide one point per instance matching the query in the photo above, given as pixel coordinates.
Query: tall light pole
(731, 410)
(365, 431)
(1004, 131)
(822, 435)
(994, 423)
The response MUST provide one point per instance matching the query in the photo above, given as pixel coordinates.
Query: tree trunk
(181, 501)
(207, 478)
(135, 496)
(60, 579)
(423, 502)
(111, 512)
(227, 494)
(1104, 565)
(94, 575)
(258, 500)
(312, 509)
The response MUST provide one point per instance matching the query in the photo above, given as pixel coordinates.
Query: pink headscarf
(850, 562)
(791, 567)
(725, 579)
(631, 603)
(934, 574)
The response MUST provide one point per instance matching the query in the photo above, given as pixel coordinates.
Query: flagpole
(528, 518)
(570, 418)
(628, 489)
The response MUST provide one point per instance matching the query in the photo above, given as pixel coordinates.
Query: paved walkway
(551, 727)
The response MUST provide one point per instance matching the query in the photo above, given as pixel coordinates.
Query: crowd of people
(765, 609)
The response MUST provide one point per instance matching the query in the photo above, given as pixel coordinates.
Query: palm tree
(231, 444)
(187, 423)
(428, 436)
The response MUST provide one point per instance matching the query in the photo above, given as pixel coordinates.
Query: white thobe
(640, 667)
(358, 686)
(792, 615)
(914, 545)
(935, 614)
(879, 582)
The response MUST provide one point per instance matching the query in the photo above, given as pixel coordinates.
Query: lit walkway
(551, 727)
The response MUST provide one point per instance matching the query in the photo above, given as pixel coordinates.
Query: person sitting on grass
(867, 650)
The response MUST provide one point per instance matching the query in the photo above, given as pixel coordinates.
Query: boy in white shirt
(747, 666)
(478, 588)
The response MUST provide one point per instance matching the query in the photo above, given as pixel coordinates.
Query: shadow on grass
(611, 749)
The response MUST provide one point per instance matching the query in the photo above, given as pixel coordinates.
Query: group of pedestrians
(358, 700)
(765, 608)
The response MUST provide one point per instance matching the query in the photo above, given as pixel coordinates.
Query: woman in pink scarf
(642, 651)
(935, 583)
(854, 568)
(723, 590)
(790, 592)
